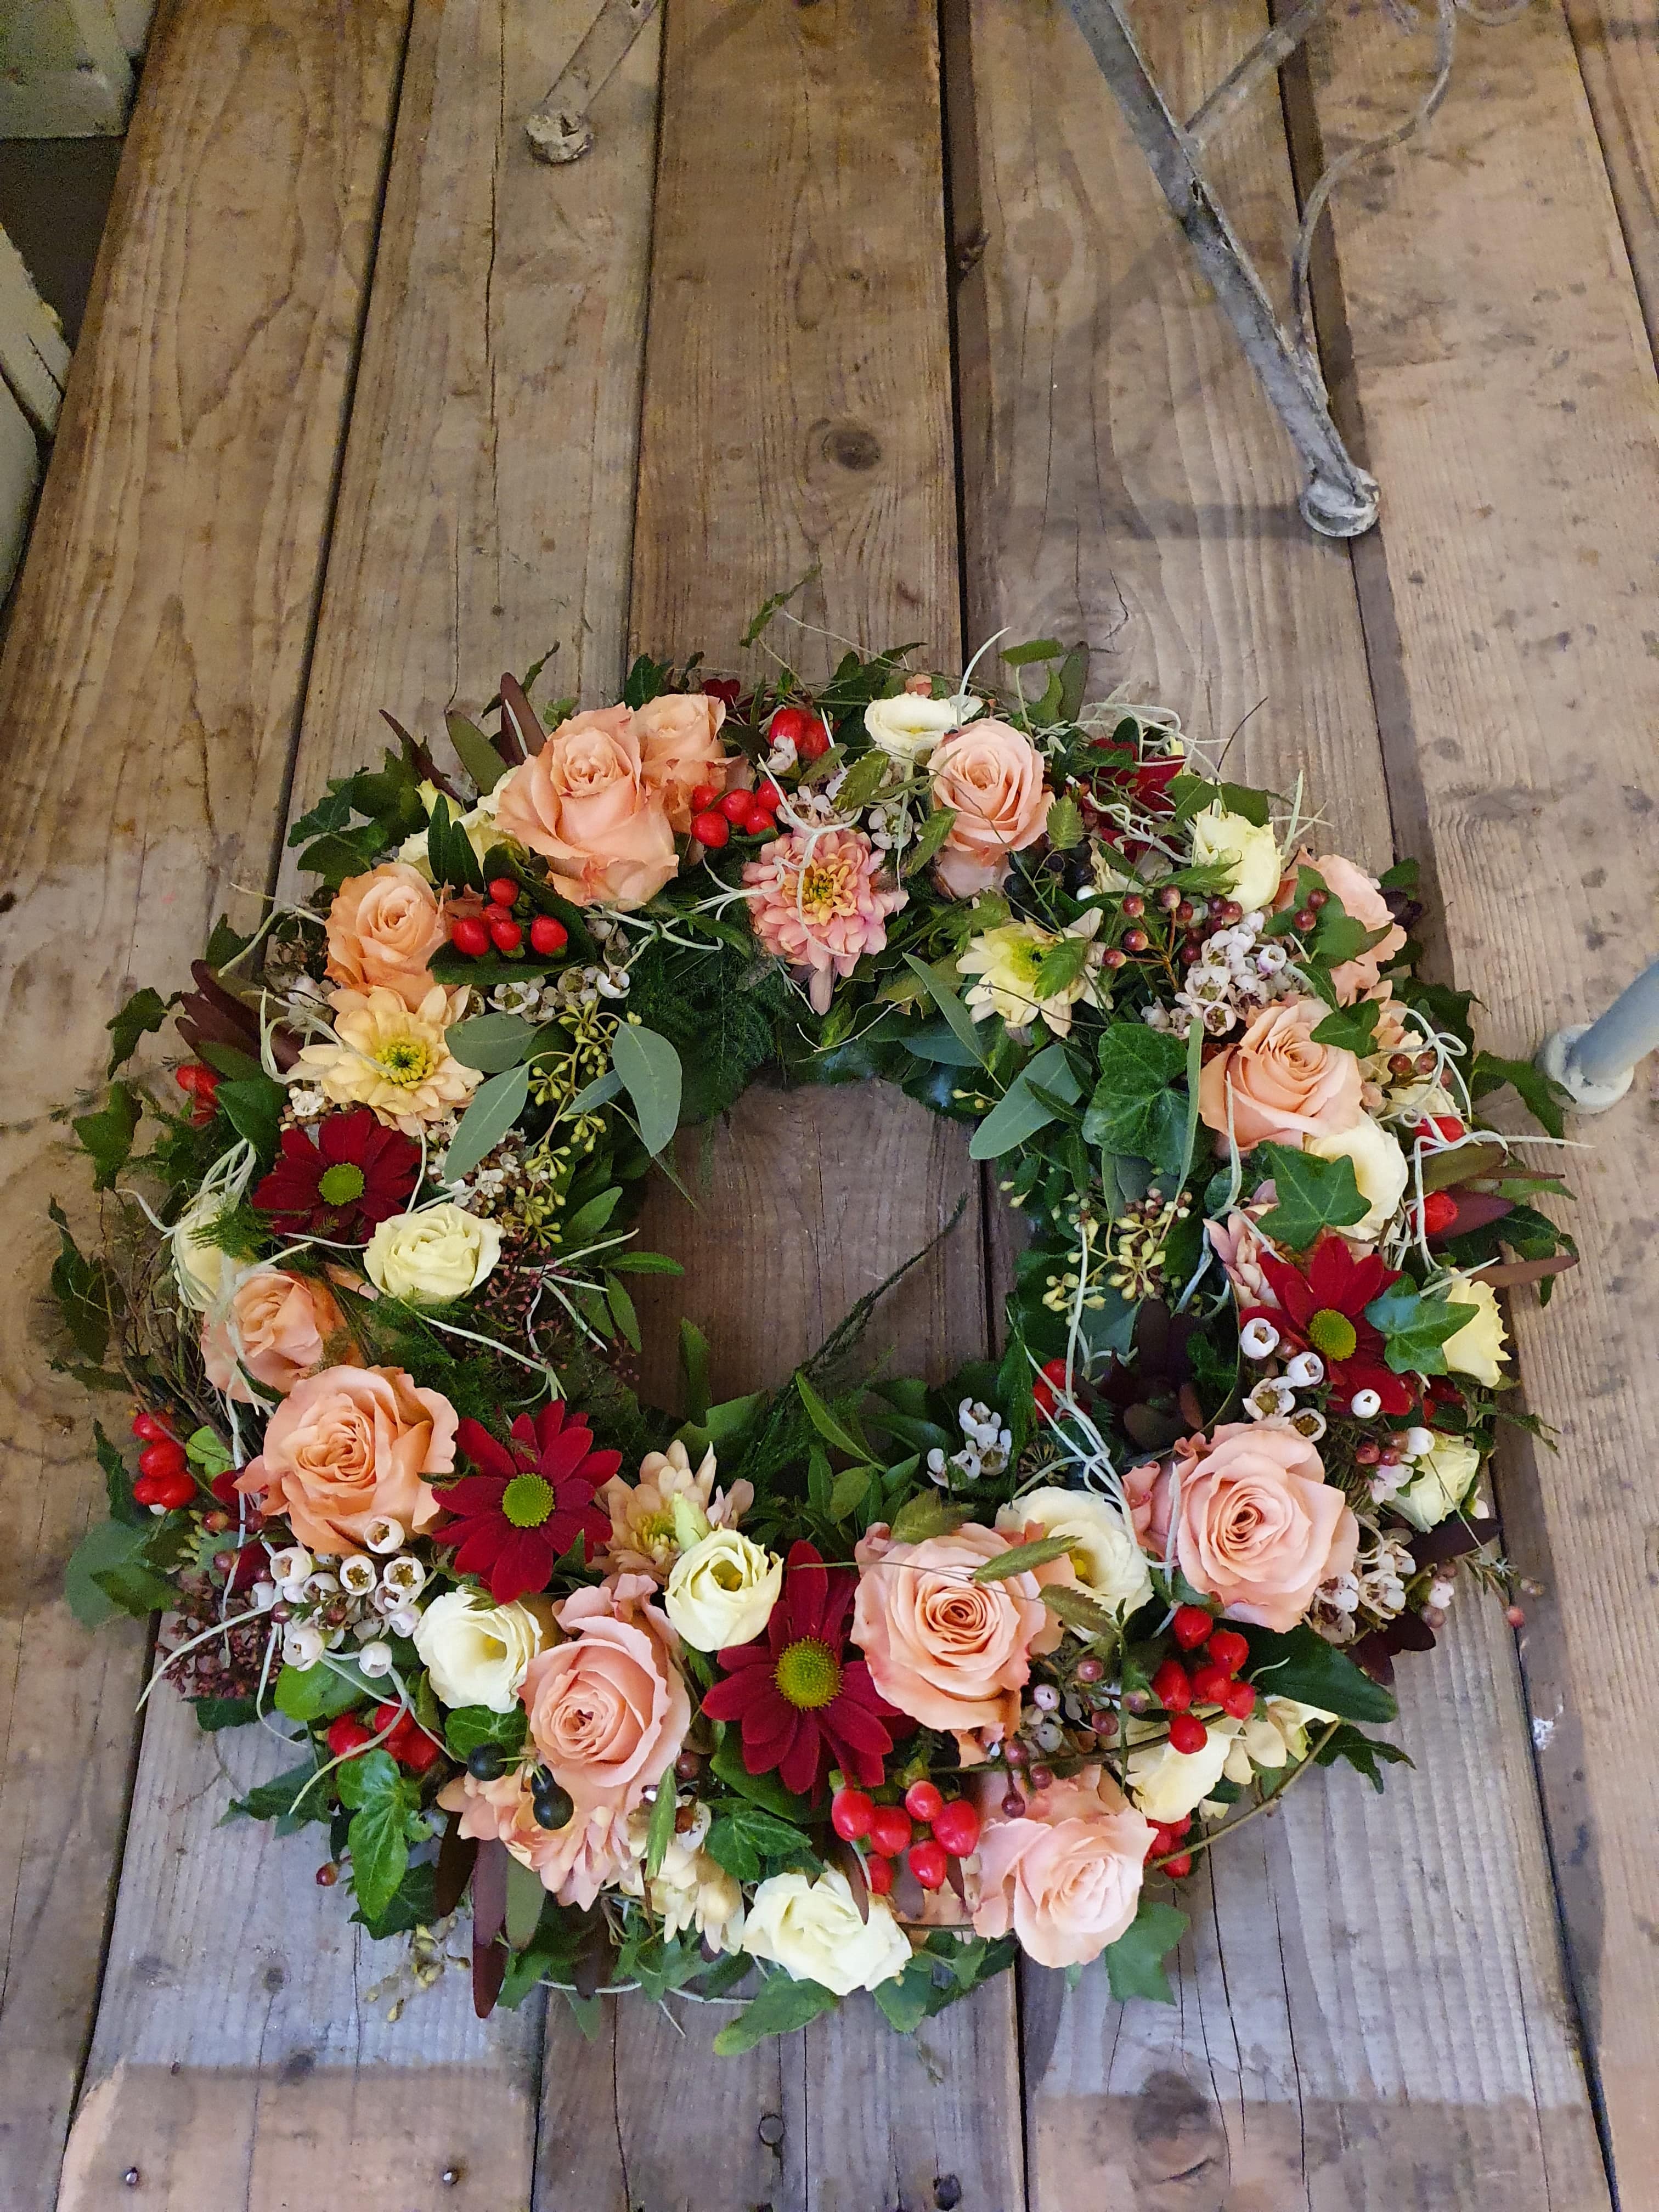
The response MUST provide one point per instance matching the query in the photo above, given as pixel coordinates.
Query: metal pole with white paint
(1595, 1062)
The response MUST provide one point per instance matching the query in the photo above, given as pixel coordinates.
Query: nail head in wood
(771, 2130)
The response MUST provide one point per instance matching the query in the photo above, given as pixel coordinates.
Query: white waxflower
(303, 1645)
(383, 1534)
(357, 1575)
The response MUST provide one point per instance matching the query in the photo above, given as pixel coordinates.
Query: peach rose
(951, 1652)
(590, 1853)
(277, 1327)
(383, 929)
(608, 1707)
(1257, 1524)
(348, 1446)
(1065, 1875)
(680, 747)
(584, 802)
(992, 777)
(1282, 1086)
(1363, 900)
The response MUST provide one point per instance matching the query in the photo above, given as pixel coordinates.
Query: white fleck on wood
(34, 357)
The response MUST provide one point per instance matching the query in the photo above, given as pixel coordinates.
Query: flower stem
(1269, 1805)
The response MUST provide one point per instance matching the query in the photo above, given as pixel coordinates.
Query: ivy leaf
(319, 1692)
(1351, 1029)
(254, 1110)
(1543, 1098)
(906, 1998)
(491, 1042)
(414, 1904)
(1020, 1113)
(1036, 649)
(107, 1135)
(85, 1290)
(782, 2005)
(1134, 1964)
(931, 835)
(496, 1105)
(468, 1726)
(1416, 1326)
(1021, 1559)
(1362, 1752)
(144, 1010)
(106, 1546)
(1301, 1665)
(118, 1484)
(374, 1789)
(274, 1800)
(1312, 1194)
(1136, 1111)
(650, 1069)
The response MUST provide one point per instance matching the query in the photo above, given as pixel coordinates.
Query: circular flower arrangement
(848, 1685)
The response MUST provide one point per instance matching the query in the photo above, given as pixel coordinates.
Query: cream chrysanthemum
(1006, 962)
(392, 1058)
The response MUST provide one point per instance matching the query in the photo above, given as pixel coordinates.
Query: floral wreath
(858, 1683)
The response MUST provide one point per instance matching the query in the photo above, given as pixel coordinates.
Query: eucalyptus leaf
(495, 1106)
(650, 1070)
(491, 1042)
(1019, 1113)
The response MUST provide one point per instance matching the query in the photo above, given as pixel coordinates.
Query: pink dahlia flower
(817, 901)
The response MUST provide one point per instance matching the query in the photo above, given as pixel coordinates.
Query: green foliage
(1366, 1755)
(1135, 1110)
(1135, 1963)
(87, 1295)
(650, 1070)
(1351, 1029)
(1543, 1098)
(1042, 1089)
(144, 1010)
(468, 1726)
(782, 2005)
(1311, 1195)
(385, 1807)
(107, 1135)
(1301, 1664)
(1415, 1326)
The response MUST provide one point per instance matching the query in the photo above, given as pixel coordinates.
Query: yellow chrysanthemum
(392, 1058)
(1007, 961)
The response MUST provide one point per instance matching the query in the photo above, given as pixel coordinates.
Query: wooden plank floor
(495, 404)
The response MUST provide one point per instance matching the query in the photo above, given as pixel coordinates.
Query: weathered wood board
(149, 697)
(1371, 2000)
(1505, 384)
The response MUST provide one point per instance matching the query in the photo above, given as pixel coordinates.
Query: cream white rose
(200, 1268)
(1275, 1734)
(476, 1653)
(722, 1590)
(1379, 1169)
(908, 727)
(1221, 838)
(1441, 1480)
(431, 1257)
(813, 1932)
(1105, 1556)
(1166, 1782)
(1478, 1348)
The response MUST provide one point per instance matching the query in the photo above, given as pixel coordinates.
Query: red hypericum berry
(759, 821)
(851, 1812)
(1305, 918)
(711, 828)
(1229, 1649)
(890, 1830)
(879, 1873)
(470, 935)
(1446, 1127)
(929, 1864)
(223, 1487)
(924, 1800)
(1239, 1699)
(1188, 1734)
(548, 934)
(769, 795)
(1051, 1377)
(1439, 1212)
(1160, 1841)
(327, 1874)
(1180, 1865)
(506, 935)
(147, 1490)
(735, 804)
(1135, 906)
(419, 1752)
(152, 1432)
(956, 1825)
(1514, 1616)
(1135, 940)
(1211, 1683)
(172, 1491)
(347, 1737)
(1191, 1626)
(1172, 1686)
(1175, 1830)
(504, 891)
(803, 729)
(703, 795)
(164, 1456)
(1368, 1454)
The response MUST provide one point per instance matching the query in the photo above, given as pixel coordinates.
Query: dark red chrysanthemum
(804, 1702)
(1322, 1310)
(356, 1174)
(520, 1515)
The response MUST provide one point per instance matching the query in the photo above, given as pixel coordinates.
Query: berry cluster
(750, 813)
(200, 1085)
(349, 1737)
(499, 929)
(165, 1481)
(929, 1828)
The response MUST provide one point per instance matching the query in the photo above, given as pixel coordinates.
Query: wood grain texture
(797, 410)
(1509, 402)
(489, 469)
(1354, 1960)
(149, 697)
(1617, 47)
(487, 508)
